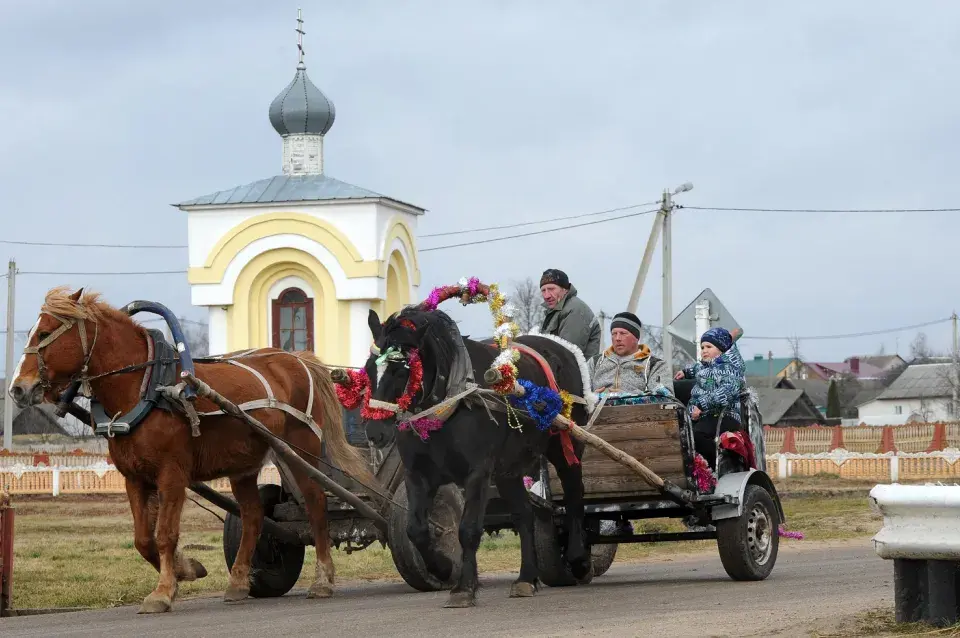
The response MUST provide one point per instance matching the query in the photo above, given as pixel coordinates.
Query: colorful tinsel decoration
(785, 534)
(703, 475)
(471, 290)
(423, 427)
(351, 394)
(534, 394)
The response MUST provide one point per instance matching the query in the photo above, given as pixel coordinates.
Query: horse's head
(58, 348)
(408, 364)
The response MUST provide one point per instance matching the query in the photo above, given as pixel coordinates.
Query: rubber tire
(732, 534)
(447, 511)
(553, 568)
(602, 557)
(276, 566)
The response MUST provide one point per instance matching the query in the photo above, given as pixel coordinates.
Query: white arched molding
(400, 247)
(290, 281)
(346, 288)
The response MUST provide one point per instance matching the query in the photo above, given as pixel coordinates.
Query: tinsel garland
(357, 390)
(703, 475)
(423, 427)
(534, 394)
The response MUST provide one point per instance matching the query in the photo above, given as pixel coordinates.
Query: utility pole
(602, 317)
(666, 205)
(956, 364)
(8, 367)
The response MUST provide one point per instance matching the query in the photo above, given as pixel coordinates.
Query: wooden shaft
(562, 423)
(227, 504)
(285, 451)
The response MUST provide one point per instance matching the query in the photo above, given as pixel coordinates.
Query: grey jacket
(573, 321)
(631, 375)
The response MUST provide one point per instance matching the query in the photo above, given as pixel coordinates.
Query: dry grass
(78, 551)
(882, 622)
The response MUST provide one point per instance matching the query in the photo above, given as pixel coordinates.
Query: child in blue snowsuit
(716, 394)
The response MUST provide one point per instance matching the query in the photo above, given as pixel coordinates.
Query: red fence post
(789, 442)
(836, 441)
(886, 441)
(6, 554)
(939, 441)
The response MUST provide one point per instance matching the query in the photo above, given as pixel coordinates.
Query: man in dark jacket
(567, 316)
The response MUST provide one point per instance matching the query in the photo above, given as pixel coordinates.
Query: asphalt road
(811, 587)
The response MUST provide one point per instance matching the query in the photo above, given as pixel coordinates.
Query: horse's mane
(90, 306)
(439, 335)
(437, 329)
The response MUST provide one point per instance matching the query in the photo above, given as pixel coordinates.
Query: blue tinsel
(534, 393)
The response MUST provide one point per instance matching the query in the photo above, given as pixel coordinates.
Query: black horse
(474, 444)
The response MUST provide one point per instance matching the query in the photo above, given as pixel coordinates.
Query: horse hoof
(582, 570)
(155, 604)
(235, 594)
(320, 591)
(522, 590)
(461, 600)
(198, 569)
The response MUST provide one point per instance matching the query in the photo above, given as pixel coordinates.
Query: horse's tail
(345, 456)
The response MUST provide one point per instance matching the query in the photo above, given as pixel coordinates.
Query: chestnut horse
(78, 337)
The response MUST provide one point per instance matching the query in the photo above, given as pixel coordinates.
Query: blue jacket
(718, 384)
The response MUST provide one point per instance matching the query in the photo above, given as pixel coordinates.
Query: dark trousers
(705, 432)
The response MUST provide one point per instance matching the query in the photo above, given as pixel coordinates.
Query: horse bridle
(65, 325)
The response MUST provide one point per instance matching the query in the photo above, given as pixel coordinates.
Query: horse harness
(65, 325)
(158, 389)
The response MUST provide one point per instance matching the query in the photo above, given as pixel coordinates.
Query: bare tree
(919, 349)
(526, 299)
(653, 338)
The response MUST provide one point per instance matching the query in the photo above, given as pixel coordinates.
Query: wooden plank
(648, 433)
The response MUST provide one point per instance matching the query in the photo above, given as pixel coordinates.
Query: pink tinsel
(473, 286)
(423, 427)
(785, 534)
(434, 299)
(703, 475)
(528, 482)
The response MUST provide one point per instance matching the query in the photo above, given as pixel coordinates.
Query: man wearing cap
(567, 316)
(627, 368)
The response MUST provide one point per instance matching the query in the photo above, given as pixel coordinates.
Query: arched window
(293, 321)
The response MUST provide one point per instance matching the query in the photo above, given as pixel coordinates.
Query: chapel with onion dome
(297, 260)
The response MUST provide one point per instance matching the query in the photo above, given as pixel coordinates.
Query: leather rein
(82, 377)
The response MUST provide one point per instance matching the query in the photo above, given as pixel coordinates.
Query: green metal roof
(761, 367)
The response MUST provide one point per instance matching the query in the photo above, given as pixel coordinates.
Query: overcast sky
(499, 112)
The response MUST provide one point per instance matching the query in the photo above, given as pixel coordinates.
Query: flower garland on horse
(541, 403)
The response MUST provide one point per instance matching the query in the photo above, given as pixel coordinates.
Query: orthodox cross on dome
(300, 32)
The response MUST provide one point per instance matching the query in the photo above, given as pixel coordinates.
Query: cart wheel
(276, 566)
(554, 571)
(748, 544)
(602, 555)
(447, 510)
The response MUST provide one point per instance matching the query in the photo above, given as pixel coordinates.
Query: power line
(824, 210)
(79, 245)
(69, 274)
(540, 221)
(851, 335)
(537, 232)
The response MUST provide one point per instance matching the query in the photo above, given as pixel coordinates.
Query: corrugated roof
(760, 367)
(289, 188)
(774, 402)
(921, 380)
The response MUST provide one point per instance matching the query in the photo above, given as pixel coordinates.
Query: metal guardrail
(921, 535)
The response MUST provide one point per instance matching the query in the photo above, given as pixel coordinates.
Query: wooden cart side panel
(646, 432)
